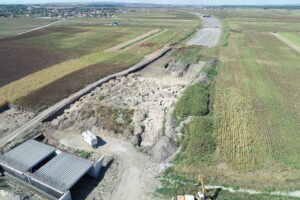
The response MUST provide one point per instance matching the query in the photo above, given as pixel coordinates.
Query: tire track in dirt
(34, 29)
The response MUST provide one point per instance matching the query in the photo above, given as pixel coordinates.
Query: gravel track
(209, 35)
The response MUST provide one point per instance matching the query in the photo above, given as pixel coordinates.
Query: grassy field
(73, 53)
(196, 96)
(294, 37)
(267, 91)
(13, 26)
(252, 128)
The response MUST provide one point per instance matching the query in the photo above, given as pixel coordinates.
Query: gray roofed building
(46, 169)
(27, 155)
(63, 171)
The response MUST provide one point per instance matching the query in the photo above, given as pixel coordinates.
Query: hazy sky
(198, 2)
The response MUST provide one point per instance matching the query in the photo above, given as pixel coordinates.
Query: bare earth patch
(141, 104)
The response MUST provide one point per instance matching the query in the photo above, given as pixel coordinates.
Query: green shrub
(41, 108)
(193, 102)
(82, 153)
(197, 142)
(211, 71)
(3, 184)
(224, 39)
(101, 97)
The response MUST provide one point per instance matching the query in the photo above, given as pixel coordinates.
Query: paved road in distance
(209, 35)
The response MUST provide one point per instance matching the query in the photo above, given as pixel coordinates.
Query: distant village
(20, 11)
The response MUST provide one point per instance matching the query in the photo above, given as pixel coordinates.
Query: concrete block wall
(96, 169)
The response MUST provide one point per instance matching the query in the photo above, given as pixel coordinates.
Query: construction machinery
(200, 195)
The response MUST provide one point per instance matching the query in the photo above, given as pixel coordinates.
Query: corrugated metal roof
(27, 155)
(63, 171)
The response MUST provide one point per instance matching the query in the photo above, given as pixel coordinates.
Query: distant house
(206, 15)
(115, 23)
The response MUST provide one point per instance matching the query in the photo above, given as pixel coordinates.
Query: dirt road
(209, 35)
(136, 178)
(33, 123)
(287, 42)
(38, 28)
(276, 193)
(134, 40)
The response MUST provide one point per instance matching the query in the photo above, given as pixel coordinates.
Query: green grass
(13, 26)
(82, 153)
(173, 184)
(255, 106)
(266, 91)
(225, 195)
(224, 38)
(193, 102)
(3, 184)
(78, 152)
(197, 142)
(185, 36)
(293, 37)
(211, 70)
(252, 126)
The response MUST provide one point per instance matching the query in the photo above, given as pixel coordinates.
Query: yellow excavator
(200, 195)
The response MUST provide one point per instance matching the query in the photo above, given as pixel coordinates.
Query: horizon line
(279, 4)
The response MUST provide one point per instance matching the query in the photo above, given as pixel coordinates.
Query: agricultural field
(13, 26)
(73, 52)
(293, 37)
(252, 127)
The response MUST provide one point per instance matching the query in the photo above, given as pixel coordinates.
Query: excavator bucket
(178, 198)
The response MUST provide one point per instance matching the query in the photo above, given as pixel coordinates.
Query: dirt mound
(163, 149)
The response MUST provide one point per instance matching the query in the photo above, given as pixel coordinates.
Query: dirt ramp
(163, 149)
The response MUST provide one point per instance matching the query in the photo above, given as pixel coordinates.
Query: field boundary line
(295, 193)
(59, 107)
(287, 42)
(142, 40)
(133, 40)
(38, 28)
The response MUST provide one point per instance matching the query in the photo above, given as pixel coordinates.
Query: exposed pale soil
(132, 116)
(12, 119)
(142, 149)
